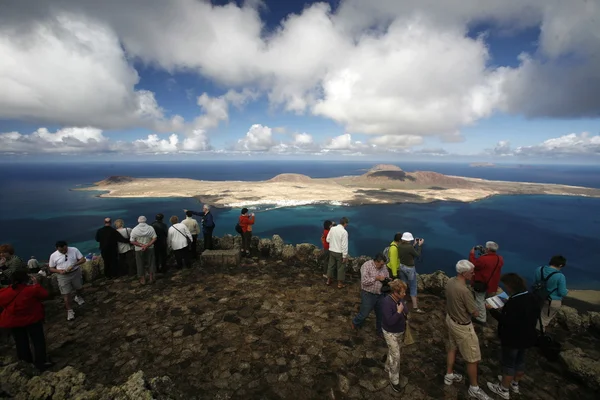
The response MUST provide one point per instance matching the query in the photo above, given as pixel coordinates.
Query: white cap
(492, 246)
(464, 266)
(407, 236)
(141, 219)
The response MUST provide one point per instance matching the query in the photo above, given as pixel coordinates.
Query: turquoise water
(37, 208)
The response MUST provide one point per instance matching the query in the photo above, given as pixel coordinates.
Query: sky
(479, 80)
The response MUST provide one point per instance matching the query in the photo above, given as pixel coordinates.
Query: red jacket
(21, 307)
(324, 239)
(246, 222)
(484, 268)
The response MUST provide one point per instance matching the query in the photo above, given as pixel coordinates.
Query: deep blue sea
(37, 208)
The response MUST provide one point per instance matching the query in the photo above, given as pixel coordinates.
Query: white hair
(493, 246)
(206, 206)
(464, 266)
(141, 219)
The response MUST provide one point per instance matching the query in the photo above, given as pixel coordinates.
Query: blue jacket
(208, 223)
(557, 284)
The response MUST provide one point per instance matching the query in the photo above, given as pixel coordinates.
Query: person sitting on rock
(246, 221)
(324, 257)
(194, 229)
(66, 262)
(488, 269)
(338, 253)
(553, 279)
(33, 264)
(23, 314)
(177, 240)
(394, 314)
(126, 252)
(517, 332)
(460, 306)
(372, 275)
(407, 252)
(143, 237)
(10, 263)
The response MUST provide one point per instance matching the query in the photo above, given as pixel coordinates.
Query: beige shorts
(465, 339)
(549, 310)
(70, 282)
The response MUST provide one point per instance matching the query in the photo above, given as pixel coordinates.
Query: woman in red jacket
(23, 314)
(246, 221)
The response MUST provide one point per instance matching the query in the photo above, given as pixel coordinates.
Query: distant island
(382, 184)
(482, 164)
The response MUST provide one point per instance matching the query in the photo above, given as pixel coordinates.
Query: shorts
(409, 276)
(549, 310)
(70, 282)
(465, 339)
(513, 361)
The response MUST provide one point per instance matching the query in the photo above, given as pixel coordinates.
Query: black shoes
(396, 388)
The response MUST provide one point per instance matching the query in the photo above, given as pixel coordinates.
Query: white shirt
(124, 247)
(33, 263)
(62, 261)
(338, 240)
(192, 225)
(176, 240)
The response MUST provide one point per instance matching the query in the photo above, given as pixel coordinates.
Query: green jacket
(14, 264)
(407, 254)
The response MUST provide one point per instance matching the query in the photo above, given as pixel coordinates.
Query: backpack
(386, 252)
(540, 289)
(238, 229)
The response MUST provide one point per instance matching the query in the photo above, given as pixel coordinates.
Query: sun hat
(407, 236)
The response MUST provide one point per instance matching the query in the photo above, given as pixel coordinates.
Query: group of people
(385, 281)
(524, 316)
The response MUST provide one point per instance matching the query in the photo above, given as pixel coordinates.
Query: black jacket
(161, 230)
(108, 237)
(517, 321)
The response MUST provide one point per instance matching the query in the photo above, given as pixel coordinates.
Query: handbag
(189, 241)
(481, 287)
(408, 337)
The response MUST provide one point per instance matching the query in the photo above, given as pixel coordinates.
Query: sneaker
(396, 388)
(514, 386)
(418, 311)
(449, 379)
(79, 300)
(499, 390)
(478, 394)
(325, 276)
(70, 315)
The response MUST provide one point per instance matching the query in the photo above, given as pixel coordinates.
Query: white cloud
(341, 142)
(574, 145)
(502, 148)
(68, 140)
(302, 139)
(391, 141)
(258, 138)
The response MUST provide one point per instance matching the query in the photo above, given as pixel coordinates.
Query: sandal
(328, 283)
(341, 286)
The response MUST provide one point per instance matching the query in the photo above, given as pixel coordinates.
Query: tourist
(126, 252)
(194, 229)
(9, 263)
(160, 246)
(23, 314)
(394, 313)
(372, 275)
(246, 220)
(338, 252)
(393, 257)
(488, 269)
(324, 257)
(33, 264)
(66, 262)
(409, 249)
(554, 282)
(177, 240)
(143, 237)
(208, 225)
(460, 306)
(517, 332)
(109, 240)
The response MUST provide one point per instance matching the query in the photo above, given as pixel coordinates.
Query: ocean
(38, 207)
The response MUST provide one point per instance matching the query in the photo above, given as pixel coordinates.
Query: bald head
(107, 221)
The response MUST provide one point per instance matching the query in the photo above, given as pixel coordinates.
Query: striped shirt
(368, 273)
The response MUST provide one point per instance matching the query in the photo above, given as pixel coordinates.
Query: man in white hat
(408, 250)
(143, 237)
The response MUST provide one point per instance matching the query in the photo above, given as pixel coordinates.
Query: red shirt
(484, 268)
(246, 222)
(324, 239)
(23, 306)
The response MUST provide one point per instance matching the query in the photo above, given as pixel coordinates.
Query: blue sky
(510, 82)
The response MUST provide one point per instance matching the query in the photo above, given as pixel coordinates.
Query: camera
(480, 249)
(385, 285)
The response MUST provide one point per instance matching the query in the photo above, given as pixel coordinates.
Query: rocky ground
(264, 330)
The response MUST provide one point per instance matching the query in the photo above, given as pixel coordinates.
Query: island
(382, 184)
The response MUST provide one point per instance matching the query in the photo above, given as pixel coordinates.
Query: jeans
(368, 302)
(22, 335)
(336, 264)
(480, 305)
(513, 361)
(409, 276)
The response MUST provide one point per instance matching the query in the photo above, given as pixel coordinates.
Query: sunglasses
(66, 257)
